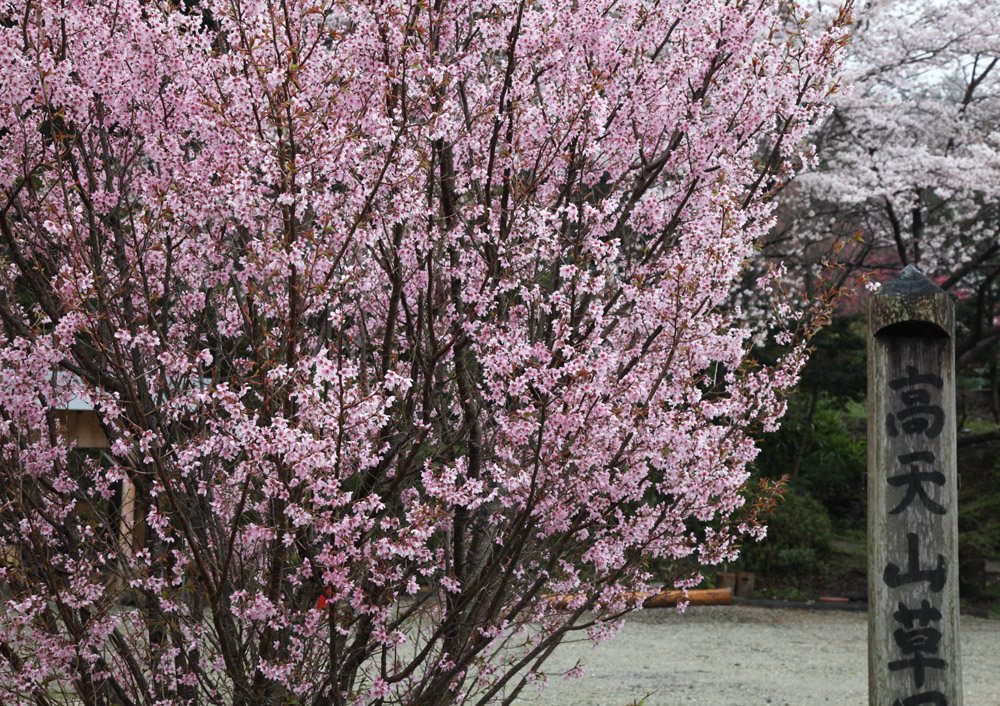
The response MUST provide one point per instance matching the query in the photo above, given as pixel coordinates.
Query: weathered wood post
(913, 645)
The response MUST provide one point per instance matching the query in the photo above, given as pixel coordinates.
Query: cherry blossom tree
(399, 318)
(911, 159)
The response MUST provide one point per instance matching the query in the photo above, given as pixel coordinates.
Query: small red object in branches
(321, 603)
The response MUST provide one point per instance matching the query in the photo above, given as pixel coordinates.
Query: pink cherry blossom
(397, 319)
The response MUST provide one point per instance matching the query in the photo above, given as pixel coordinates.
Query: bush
(799, 538)
(833, 460)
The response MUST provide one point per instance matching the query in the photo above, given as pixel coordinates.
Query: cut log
(695, 596)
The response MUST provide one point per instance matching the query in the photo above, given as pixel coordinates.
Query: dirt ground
(746, 656)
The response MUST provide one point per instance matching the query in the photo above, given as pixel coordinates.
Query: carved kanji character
(918, 415)
(914, 482)
(935, 698)
(894, 577)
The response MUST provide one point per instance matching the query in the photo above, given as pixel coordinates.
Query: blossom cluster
(398, 318)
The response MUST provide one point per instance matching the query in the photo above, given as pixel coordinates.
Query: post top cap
(911, 305)
(911, 282)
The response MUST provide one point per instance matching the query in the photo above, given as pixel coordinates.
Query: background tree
(909, 158)
(371, 297)
(909, 161)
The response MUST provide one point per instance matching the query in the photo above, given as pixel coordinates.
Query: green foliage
(824, 458)
(788, 593)
(818, 445)
(799, 538)
(832, 463)
(838, 364)
(821, 449)
(978, 519)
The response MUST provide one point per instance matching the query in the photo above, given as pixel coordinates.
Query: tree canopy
(399, 319)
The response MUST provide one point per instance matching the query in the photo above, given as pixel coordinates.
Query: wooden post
(913, 644)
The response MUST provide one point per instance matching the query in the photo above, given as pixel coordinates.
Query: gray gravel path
(746, 656)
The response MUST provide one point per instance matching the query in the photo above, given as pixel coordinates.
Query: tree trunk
(814, 398)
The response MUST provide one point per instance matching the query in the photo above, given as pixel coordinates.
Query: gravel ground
(746, 656)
